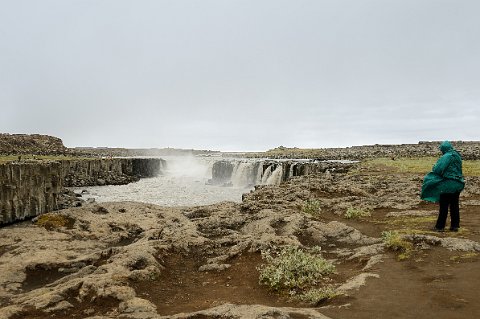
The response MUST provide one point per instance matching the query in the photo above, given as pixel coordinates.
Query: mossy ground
(395, 242)
(51, 221)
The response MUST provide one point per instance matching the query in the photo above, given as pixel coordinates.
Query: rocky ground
(469, 149)
(135, 260)
(30, 144)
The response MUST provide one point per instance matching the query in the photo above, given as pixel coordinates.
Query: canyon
(30, 188)
(137, 260)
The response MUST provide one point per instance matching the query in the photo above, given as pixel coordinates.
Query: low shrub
(293, 269)
(356, 213)
(394, 241)
(311, 207)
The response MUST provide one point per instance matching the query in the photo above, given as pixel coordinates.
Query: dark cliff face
(148, 167)
(97, 172)
(32, 188)
(114, 171)
(221, 172)
(28, 189)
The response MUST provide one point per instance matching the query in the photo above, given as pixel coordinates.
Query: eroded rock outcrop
(94, 263)
(31, 144)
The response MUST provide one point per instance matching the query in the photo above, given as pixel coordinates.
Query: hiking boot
(438, 230)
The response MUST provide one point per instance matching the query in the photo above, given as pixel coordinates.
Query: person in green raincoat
(444, 184)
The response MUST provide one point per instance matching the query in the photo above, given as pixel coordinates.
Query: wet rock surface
(134, 260)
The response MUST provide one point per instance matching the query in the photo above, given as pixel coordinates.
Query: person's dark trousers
(449, 200)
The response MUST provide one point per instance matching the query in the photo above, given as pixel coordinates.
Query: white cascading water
(266, 174)
(290, 171)
(250, 173)
(258, 177)
(241, 175)
(276, 176)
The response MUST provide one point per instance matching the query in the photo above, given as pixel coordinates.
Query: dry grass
(356, 213)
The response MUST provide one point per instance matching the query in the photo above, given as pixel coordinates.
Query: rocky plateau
(135, 260)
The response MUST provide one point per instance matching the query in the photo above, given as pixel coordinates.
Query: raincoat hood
(445, 147)
(446, 176)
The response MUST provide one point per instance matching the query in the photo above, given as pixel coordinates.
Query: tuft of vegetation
(356, 213)
(293, 269)
(317, 295)
(465, 256)
(52, 221)
(311, 207)
(395, 242)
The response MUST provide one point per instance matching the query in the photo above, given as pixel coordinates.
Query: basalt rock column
(31, 188)
(221, 172)
(28, 189)
(148, 167)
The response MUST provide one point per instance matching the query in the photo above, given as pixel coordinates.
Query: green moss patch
(395, 242)
(51, 221)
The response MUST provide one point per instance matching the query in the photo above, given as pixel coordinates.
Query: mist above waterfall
(189, 166)
(183, 183)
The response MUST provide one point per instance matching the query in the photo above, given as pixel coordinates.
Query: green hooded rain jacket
(446, 175)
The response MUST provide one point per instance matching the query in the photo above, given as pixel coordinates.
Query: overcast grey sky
(240, 74)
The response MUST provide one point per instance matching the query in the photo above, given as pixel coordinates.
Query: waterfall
(247, 174)
(266, 174)
(276, 176)
(290, 171)
(243, 174)
(258, 177)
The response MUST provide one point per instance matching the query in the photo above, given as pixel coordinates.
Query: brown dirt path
(435, 287)
(434, 283)
(182, 288)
